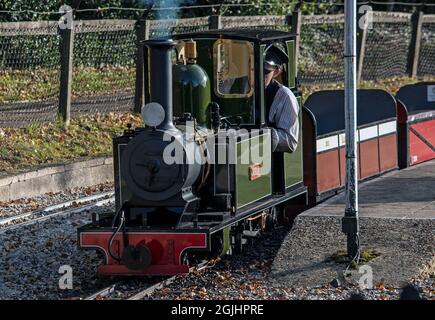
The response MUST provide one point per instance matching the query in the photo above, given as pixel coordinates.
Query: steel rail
(8, 220)
(150, 290)
(56, 214)
(104, 293)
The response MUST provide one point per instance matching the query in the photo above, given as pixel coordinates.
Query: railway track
(65, 208)
(119, 290)
(34, 245)
(104, 294)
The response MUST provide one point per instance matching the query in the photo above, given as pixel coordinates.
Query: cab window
(234, 68)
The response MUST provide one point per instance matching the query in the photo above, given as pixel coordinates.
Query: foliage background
(256, 7)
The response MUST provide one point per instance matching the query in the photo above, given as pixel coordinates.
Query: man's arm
(284, 115)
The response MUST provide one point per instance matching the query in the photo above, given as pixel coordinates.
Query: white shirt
(284, 116)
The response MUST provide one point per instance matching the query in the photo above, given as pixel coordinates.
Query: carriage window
(234, 68)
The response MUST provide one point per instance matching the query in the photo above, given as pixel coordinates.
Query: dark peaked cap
(275, 56)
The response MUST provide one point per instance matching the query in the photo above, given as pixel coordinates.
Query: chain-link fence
(256, 22)
(105, 55)
(29, 73)
(426, 61)
(164, 28)
(321, 50)
(103, 66)
(387, 46)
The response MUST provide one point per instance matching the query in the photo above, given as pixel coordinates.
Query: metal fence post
(141, 93)
(66, 66)
(215, 22)
(361, 43)
(414, 49)
(295, 23)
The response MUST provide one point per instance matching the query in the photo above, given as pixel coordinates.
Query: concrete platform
(46, 178)
(397, 214)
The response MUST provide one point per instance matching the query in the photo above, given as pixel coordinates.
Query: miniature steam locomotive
(200, 178)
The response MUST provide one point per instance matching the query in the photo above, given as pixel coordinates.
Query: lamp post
(350, 224)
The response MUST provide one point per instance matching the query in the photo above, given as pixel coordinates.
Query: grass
(52, 142)
(90, 81)
(31, 85)
(366, 256)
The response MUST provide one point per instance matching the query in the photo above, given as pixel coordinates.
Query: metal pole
(350, 220)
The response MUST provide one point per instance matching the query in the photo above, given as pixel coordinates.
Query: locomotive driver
(282, 108)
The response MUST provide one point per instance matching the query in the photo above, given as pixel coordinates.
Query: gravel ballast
(406, 248)
(284, 264)
(30, 258)
(247, 276)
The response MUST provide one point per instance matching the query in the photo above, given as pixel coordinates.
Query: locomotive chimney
(160, 52)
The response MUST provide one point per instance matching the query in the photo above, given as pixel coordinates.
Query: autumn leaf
(380, 285)
(34, 204)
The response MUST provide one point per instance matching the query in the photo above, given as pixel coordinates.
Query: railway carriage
(324, 139)
(416, 117)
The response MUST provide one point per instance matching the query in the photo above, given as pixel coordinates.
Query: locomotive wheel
(237, 245)
(272, 219)
(217, 244)
(185, 259)
(136, 258)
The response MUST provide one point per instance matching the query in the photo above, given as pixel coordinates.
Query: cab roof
(249, 34)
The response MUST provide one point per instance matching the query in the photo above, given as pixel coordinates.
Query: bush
(54, 5)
